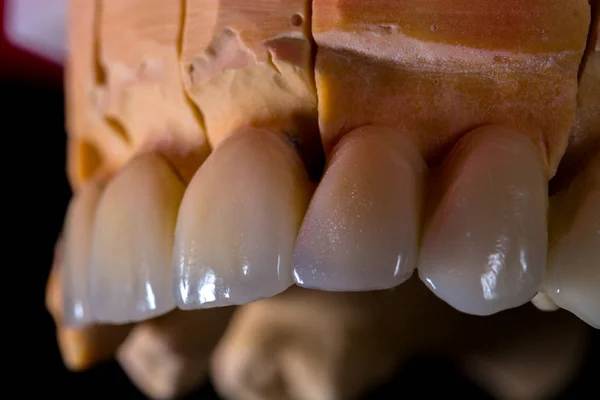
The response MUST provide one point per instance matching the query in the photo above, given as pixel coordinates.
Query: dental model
(223, 151)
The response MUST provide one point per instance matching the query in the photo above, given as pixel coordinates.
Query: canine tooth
(81, 348)
(168, 357)
(362, 228)
(130, 272)
(238, 222)
(573, 274)
(484, 249)
(77, 243)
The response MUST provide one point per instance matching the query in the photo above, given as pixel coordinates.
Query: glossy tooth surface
(238, 222)
(542, 302)
(81, 347)
(362, 227)
(573, 274)
(132, 242)
(76, 254)
(484, 249)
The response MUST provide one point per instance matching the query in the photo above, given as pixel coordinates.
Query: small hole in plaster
(296, 20)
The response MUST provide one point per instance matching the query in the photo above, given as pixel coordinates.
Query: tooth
(77, 243)
(484, 249)
(434, 71)
(573, 274)
(307, 345)
(362, 227)
(168, 357)
(132, 242)
(238, 222)
(543, 302)
(81, 348)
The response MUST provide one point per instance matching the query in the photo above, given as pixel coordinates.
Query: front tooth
(77, 242)
(484, 249)
(132, 242)
(573, 275)
(362, 227)
(238, 222)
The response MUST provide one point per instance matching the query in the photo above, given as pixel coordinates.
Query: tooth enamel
(238, 222)
(362, 227)
(484, 249)
(77, 243)
(543, 302)
(130, 277)
(81, 348)
(573, 274)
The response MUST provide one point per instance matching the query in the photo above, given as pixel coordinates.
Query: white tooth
(76, 253)
(543, 302)
(130, 277)
(238, 222)
(573, 275)
(362, 228)
(484, 249)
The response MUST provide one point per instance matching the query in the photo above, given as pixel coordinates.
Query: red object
(17, 64)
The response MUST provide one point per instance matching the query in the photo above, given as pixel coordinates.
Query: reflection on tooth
(484, 249)
(77, 242)
(81, 348)
(362, 227)
(238, 222)
(573, 275)
(132, 242)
